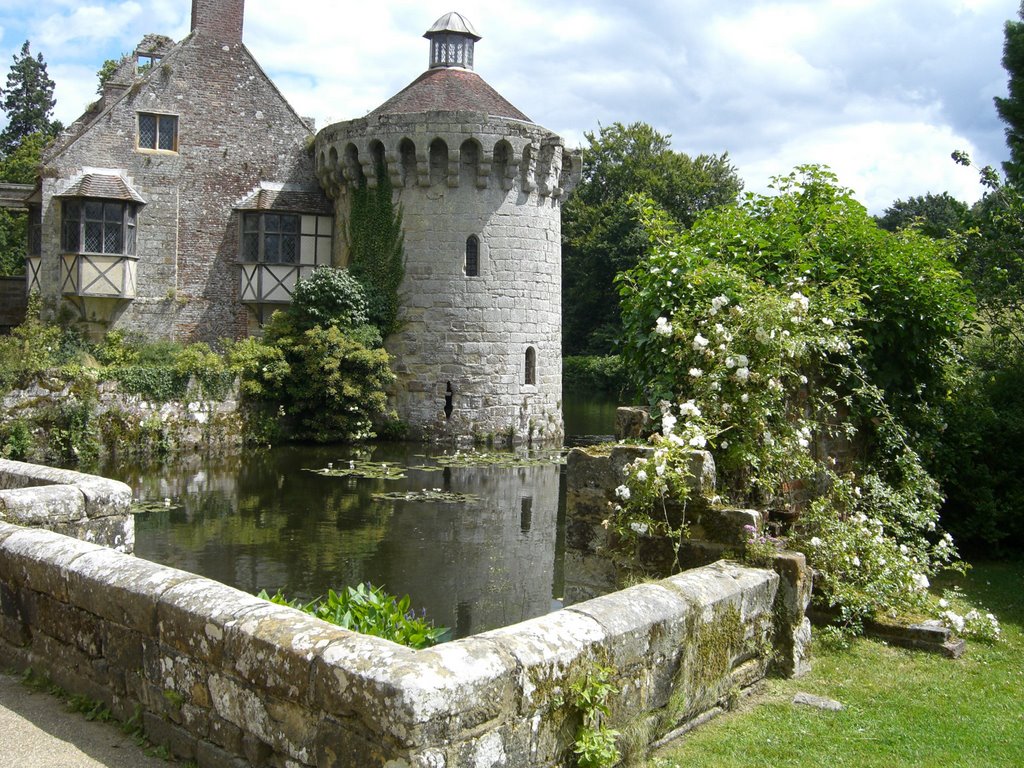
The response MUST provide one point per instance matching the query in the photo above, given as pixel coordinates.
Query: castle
(189, 199)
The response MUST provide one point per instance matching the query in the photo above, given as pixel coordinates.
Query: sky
(882, 91)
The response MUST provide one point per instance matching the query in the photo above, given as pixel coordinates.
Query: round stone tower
(478, 353)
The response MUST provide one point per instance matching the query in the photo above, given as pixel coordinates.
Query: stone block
(722, 525)
(211, 756)
(548, 650)
(194, 614)
(274, 646)
(341, 743)
(178, 740)
(42, 506)
(632, 423)
(122, 589)
(642, 622)
(40, 559)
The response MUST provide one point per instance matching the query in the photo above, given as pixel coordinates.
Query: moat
(484, 552)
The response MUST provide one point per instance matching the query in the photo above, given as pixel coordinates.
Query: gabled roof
(105, 185)
(449, 90)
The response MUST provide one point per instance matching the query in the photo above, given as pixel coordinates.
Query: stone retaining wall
(227, 679)
(84, 506)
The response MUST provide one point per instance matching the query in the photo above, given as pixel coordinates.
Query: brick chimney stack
(220, 19)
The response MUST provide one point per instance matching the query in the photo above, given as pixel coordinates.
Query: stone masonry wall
(228, 680)
(464, 338)
(87, 507)
(596, 561)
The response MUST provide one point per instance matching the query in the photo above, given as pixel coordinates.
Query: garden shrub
(328, 297)
(979, 459)
(30, 350)
(751, 335)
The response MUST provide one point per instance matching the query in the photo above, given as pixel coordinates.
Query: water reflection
(260, 521)
(265, 522)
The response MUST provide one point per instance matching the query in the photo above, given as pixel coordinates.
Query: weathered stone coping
(85, 506)
(220, 674)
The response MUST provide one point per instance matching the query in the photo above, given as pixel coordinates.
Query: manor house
(187, 201)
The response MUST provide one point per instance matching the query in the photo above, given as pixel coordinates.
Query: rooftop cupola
(451, 41)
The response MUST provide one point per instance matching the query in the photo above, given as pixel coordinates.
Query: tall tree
(934, 215)
(1011, 108)
(601, 234)
(27, 100)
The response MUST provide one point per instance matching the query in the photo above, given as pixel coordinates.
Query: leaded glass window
(158, 132)
(472, 256)
(98, 226)
(272, 238)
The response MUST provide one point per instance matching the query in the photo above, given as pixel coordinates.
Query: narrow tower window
(530, 377)
(472, 256)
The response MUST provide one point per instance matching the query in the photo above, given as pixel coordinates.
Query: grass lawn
(903, 708)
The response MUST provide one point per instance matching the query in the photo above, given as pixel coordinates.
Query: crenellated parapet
(447, 149)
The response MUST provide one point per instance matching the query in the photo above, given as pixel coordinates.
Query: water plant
(371, 611)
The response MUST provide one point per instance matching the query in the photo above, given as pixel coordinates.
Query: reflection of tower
(500, 549)
(480, 186)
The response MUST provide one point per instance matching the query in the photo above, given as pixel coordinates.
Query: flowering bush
(966, 620)
(749, 333)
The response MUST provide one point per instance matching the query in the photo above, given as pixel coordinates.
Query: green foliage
(328, 297)
(16, 440)
(157, 383)
(13, 239)
(371, 611)
(336, 385)
(105, 72)
(21, 164)
(777, 329)
(331, 386)
(594, 374)
(937, 216)
(27, 100)
(1011, 108)
(601, 234)
(979, 460)
(30, 350)
(199, 364)
(376, 249)
(594, 746)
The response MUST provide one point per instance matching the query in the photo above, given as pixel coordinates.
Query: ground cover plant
(902, 708)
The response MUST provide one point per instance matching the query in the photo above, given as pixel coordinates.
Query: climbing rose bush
(771, 377)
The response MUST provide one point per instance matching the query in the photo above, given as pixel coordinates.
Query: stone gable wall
(235, 129)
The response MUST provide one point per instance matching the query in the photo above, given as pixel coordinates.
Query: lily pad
(374, 470)
(429, 495)
(144, 507)
(497, 459)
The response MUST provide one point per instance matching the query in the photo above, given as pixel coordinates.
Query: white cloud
(881, 91)
(880, 161)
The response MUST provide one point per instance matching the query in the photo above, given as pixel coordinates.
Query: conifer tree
(27, 100)
(1011, 109)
